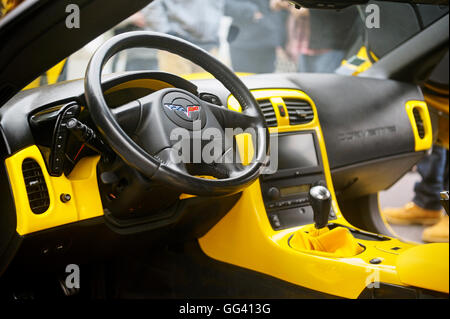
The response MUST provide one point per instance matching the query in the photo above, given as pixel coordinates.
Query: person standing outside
(425, 208)
(137, 59)
(257, 31)
(196, 21)
(319, 39)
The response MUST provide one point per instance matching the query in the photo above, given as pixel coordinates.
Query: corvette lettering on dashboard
(378, 131)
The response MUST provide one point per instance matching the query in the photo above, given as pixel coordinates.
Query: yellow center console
(269, 229)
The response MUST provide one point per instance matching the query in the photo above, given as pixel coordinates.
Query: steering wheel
(151, 148)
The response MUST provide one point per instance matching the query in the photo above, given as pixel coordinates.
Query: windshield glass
(260, 36)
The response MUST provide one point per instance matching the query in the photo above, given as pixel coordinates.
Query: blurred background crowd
(250, 36)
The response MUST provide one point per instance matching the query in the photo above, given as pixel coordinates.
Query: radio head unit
(294, 154)
(296, 163)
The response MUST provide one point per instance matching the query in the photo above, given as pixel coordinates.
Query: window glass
(260, 36)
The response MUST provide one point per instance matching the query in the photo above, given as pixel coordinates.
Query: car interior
(89, 174)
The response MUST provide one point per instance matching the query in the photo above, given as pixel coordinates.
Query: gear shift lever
(320, 199)
(338, 242)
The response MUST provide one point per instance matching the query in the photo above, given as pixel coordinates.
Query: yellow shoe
(437, 233)
(412, 214)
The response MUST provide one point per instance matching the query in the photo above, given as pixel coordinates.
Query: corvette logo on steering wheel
(188, 111)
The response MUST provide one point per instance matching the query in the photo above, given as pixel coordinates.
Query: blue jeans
(322, 63)
(434, 172)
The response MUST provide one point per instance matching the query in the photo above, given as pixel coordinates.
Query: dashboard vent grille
(269, 113)
(419, 123)
(37, 191)
(300, 111)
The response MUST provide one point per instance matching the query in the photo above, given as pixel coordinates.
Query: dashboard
(330, 130)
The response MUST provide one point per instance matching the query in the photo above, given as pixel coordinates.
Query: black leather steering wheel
(149, 149)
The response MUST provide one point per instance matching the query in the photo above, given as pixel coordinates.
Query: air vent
(300, 111)
(269, 113)
(36, 187)
(419, 123)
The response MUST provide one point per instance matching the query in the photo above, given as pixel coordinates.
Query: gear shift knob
(320, 200)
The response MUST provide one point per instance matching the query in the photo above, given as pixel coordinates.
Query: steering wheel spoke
(128, 116)
(232, 119)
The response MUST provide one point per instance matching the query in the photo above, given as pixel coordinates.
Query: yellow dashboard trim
(425, 143)
(277, 102)
(81, 185)
(276, 95)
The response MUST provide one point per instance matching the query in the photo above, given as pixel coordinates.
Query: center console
(297, 165)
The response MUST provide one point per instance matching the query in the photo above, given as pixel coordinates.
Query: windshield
(260, 36)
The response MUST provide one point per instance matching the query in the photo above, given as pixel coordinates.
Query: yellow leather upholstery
(425, 266)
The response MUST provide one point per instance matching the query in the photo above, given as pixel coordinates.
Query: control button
(281, 109)
(273, 193)
(376, 261)
(276, 221)
(65, 198)
(57, 156)
(210, 98)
